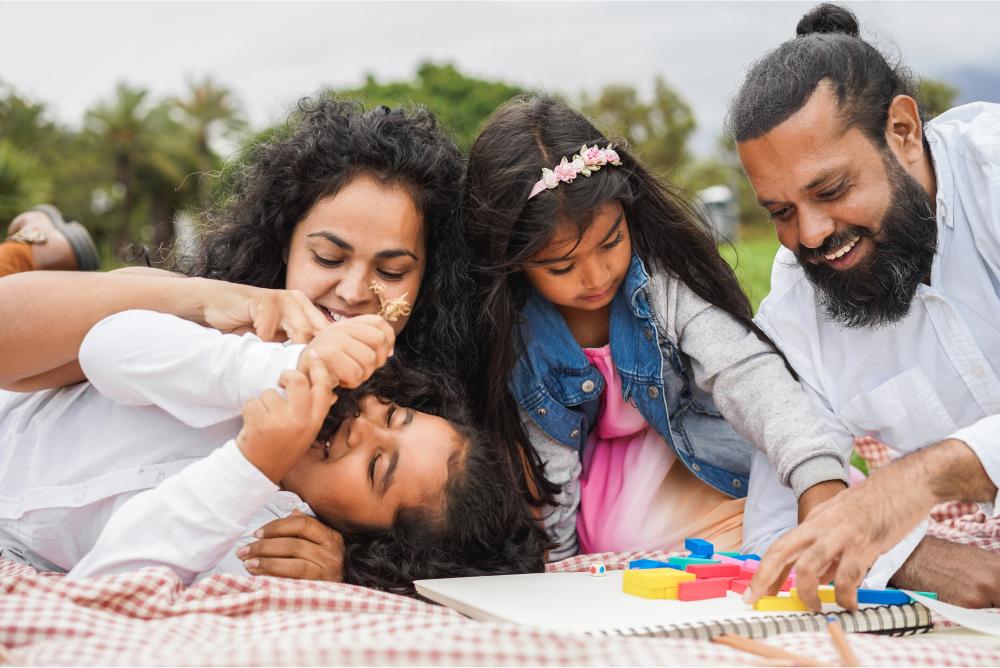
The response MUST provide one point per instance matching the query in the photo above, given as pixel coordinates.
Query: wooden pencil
(839, 638)
(765, 650)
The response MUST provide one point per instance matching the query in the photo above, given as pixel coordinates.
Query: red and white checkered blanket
(150, 618)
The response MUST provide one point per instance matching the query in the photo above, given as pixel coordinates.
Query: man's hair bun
(828, 18)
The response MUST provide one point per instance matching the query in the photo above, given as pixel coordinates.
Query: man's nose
(815, 227)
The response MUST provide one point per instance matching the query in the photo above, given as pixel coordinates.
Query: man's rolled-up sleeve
(983, 438)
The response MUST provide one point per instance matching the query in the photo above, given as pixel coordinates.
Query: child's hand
(297, 546)
(276, 432)
(352, 349)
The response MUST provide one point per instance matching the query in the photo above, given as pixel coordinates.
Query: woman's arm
(47, 314)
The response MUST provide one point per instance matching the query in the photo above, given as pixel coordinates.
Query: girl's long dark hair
(505, 229)
(324, 146)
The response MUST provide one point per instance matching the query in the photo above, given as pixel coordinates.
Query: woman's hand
(277, 431)
(352, 349)
(297, 546)
(273, 315)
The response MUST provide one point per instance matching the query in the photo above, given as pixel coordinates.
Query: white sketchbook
(582, 603)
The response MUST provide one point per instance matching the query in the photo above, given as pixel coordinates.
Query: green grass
(751, 258)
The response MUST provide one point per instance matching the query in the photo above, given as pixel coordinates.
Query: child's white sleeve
(197, 374)
(188, 523)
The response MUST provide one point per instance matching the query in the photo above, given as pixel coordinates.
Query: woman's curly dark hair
(484, 526)
(324, 146)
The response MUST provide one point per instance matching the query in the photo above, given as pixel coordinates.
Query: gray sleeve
(562, 467)
(753, 390)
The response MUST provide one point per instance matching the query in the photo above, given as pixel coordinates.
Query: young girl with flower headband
(618, 348)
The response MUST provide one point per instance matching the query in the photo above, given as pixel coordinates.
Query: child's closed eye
(617, 240)
(563, 271)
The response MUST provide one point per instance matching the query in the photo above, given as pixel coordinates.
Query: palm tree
(209, 111)
(119, 128)
(150, 153)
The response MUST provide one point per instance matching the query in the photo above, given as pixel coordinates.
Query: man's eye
(780, 214)
(830, 194)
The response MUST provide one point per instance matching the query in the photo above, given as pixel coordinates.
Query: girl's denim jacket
(556, 385)
(559, 393)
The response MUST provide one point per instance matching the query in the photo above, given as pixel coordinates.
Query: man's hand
(843, 537)
(818, 494)
(964, 575)
(297, 546)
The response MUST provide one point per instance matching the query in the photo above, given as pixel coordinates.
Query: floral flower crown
(588, 160)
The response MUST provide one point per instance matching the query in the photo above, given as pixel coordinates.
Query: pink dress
(632, 495)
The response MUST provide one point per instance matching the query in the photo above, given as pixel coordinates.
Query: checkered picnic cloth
(954, 521)
(149, 618)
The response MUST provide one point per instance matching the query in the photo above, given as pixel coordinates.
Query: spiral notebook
(581, 603)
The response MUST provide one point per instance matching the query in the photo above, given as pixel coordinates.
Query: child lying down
(149, 463)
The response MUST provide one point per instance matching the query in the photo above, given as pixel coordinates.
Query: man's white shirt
(130, 469)
(933, 375)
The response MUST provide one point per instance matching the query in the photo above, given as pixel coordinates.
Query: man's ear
(904, 131)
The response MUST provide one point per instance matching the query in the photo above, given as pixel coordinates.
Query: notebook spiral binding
(891, 620)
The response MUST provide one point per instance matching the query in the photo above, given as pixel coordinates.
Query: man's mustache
(833, 243)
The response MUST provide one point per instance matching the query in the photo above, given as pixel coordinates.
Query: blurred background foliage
(136, 163)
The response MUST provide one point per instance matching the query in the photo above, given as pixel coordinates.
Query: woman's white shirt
(127, 470)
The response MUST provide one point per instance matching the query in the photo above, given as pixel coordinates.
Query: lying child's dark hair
(484, 527)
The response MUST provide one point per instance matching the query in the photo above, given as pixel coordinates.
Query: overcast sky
(70, 55)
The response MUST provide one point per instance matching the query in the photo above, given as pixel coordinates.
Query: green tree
(22, 183)
(657, 131)
(935, 96)
(148, 155)
(461, 102)
(210, 111)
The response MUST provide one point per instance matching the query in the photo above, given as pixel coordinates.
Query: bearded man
(885, 300)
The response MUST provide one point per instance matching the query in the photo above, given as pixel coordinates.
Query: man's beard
(879, 290)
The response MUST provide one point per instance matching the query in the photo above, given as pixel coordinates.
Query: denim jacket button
(574, 433)
(695, 468)
(588, 386)
(541, 411)
(653, 391)
(736, 483)
(649, 333)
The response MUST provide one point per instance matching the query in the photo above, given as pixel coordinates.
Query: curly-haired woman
(340, 199)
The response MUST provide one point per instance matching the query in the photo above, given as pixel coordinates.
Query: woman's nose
(353, 288)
